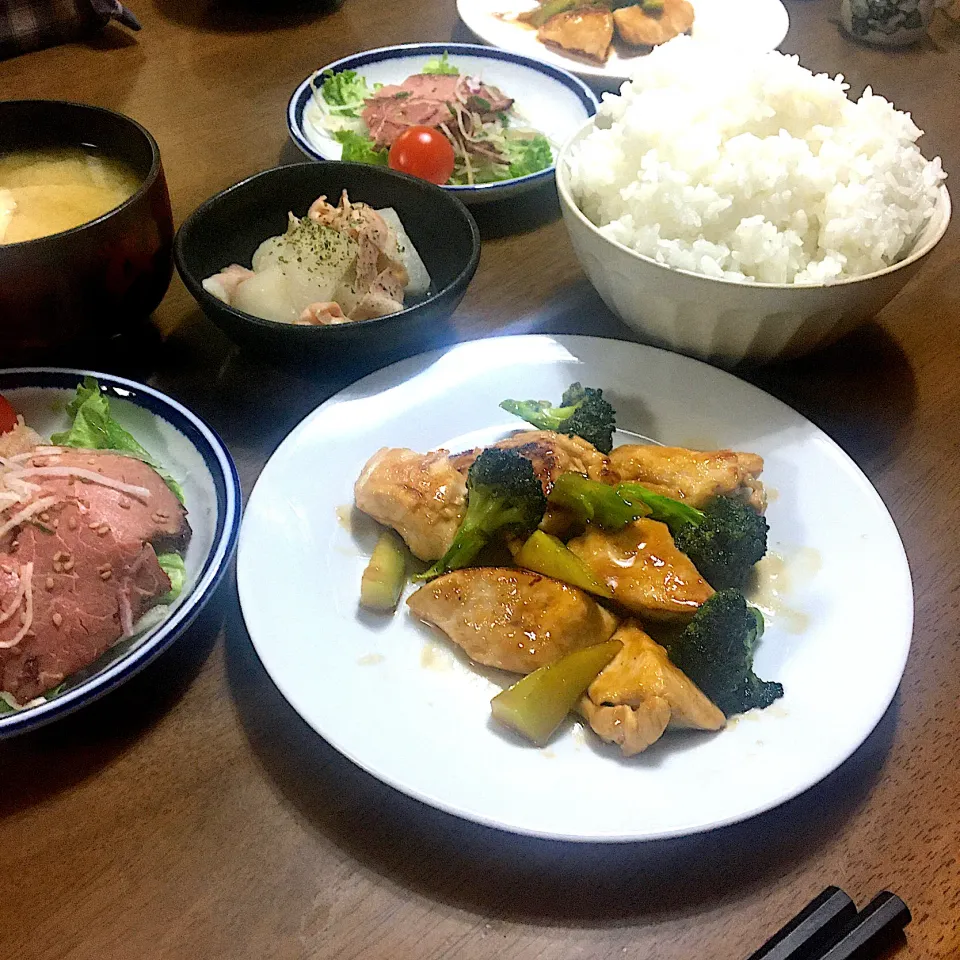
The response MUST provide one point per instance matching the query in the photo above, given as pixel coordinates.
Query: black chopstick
(873, 929)
(813, 930)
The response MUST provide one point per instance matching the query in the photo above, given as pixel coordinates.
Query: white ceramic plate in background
(548, 99)
(396, 699)
(753, 25)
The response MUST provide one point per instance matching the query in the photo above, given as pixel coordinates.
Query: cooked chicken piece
(632, 729)
(321, 313)
(640, 693)
(643, 28)
(692, 475)
(646, 572)
(587, 33)
(420, 495)
(512, 619)
(551, 454)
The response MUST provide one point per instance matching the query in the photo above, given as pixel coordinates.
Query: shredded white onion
(38, 506)
(126, 611)
(5, 615)
(141, 493)
(26, 576)
(19, 485)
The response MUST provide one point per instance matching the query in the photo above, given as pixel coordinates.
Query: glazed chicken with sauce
(585, 33)
(694, 476)
(420, 495)
(423, 496)
(512, 619)
(641, 693)
(648, 575)
(585, 29)
(642, 28)
(519, 620)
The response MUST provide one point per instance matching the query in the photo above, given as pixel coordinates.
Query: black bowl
(230, 226)
(99, 278)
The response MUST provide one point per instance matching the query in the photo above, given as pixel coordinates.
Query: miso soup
(48, 191)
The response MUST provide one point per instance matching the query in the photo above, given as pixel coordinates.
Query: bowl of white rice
(738, 207)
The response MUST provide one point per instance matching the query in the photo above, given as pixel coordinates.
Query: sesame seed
(55, 522)
(72, 523)
(106, 574)
(68, 565)
(57, 620)
(44, 516)
(50, 583)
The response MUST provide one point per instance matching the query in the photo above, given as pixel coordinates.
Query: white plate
(394, 697)
(752, 25)
(547, 99)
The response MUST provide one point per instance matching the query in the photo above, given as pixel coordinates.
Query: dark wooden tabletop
(192, 814)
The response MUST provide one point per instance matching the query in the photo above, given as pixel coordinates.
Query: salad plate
(547, 101)
(755, 26)
(400, 702)
(184, 448)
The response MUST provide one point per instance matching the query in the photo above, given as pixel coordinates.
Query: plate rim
(225, 539)
(439, 803)
(299, 98)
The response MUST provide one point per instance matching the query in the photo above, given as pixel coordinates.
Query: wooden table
(192, 814)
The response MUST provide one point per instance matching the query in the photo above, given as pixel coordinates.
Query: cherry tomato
(423, 152)
(8, 416)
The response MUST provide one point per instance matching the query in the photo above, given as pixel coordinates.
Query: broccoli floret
(594, 502)
(716, 652)
(503, 495)
(582, 413)
(724, 539)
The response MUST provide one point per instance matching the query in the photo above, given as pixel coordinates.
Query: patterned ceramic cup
(889, 23)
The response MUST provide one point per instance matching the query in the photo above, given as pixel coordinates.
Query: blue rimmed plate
(548, 99)
(192, 453)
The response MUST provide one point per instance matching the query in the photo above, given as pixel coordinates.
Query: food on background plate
(92, 536)
(748, 167)
(652, 23)
(440, 124)
(586, 33)
(544, 546)
(585, 28)
(43, 192)
(335, 265)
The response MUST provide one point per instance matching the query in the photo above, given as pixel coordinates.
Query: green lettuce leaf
(529, 155)
(346, 91)
(94, 429)
(441, 65)
(173, 566)
(358, 148)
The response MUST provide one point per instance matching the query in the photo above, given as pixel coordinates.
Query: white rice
(750, 167)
